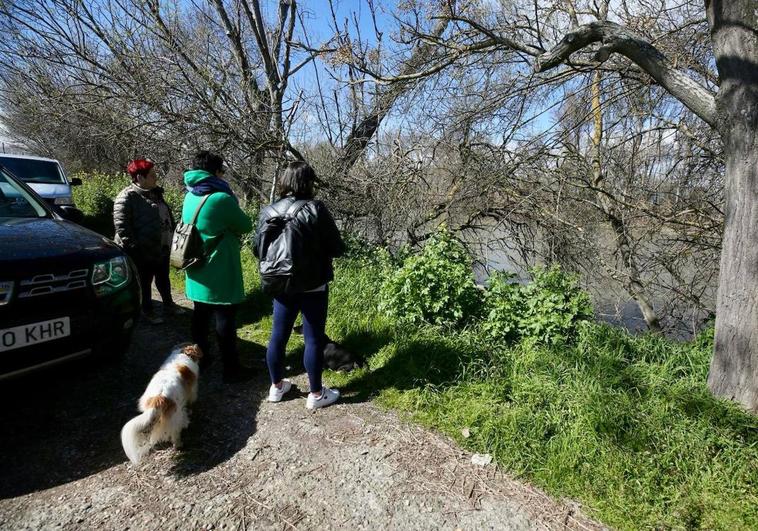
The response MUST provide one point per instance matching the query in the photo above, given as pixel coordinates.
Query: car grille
(47, 284)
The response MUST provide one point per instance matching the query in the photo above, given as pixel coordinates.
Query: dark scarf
(211, 184)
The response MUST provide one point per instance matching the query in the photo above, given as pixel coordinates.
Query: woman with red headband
(144, 226)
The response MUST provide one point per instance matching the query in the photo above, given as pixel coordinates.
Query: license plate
(33, 333)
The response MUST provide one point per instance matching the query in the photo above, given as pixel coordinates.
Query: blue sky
(320, 25)
(319, 22)
(319, 10)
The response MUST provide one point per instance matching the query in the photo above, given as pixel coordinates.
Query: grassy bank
(624, 424)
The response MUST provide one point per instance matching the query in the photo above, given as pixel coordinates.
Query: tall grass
(624, 424)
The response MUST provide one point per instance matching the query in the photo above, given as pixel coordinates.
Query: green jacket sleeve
(236, 220)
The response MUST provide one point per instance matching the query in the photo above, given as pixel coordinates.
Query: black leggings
(154, 270)
(226, 330)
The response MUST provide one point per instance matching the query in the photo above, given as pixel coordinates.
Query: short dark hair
(208, 161)
(297, 180)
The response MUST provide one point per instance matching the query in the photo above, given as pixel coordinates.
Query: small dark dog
(336, 357)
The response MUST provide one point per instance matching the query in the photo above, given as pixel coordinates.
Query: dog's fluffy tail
(136, 435)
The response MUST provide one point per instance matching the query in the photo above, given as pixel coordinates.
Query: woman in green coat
(215, 287)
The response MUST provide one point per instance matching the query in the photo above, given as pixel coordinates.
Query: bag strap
(197, 210)
(291, 211)
(296, 207)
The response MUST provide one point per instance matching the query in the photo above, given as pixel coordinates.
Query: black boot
(206, 361)
(236, 372)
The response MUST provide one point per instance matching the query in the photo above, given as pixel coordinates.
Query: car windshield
(34, 171)
(15, 202)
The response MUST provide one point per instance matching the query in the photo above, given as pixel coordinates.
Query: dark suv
(65, 291)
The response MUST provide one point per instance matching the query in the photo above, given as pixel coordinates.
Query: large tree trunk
(734, 369)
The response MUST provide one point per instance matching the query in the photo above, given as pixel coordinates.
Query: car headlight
(6, 290)
(110, 275)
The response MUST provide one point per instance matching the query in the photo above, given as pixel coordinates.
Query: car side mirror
(71, 213)
(76, 181)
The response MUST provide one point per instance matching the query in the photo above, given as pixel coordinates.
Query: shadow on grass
(365, 344)
(252, 354)
(416, 362)
(725, 416)
(256, 306)
(656, 377)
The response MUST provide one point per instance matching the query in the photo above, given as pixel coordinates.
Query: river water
(611, 302)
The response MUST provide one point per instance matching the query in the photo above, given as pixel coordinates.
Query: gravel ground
(246, 464)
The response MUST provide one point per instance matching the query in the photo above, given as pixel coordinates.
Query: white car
(44, 176)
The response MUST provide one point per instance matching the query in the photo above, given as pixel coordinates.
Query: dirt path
(247, 464)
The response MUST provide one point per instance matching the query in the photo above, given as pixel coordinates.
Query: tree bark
(619, 39)
(734, 368)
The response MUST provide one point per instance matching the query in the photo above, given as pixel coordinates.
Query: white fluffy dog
(164, 404)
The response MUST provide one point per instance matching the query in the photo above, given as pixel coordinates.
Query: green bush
(174, 196)
(434, 286)
(95, 199)
(98, 190)
(504, 301)
(547, 310)
(553, 304)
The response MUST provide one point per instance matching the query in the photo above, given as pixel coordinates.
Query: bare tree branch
(621, 40)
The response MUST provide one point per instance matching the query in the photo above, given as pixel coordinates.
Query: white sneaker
(328, 396)
(275, 394)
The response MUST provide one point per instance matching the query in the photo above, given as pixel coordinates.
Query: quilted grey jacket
(137, 220)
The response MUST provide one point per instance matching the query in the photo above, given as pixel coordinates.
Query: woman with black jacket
(317, 245)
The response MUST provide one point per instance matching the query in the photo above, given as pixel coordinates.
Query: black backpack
(284, 251)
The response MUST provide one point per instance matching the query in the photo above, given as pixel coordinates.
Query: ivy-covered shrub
(435, 285)
(546, 310)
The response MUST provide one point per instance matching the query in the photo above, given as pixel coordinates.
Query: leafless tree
(503, 188)
(155, 78)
